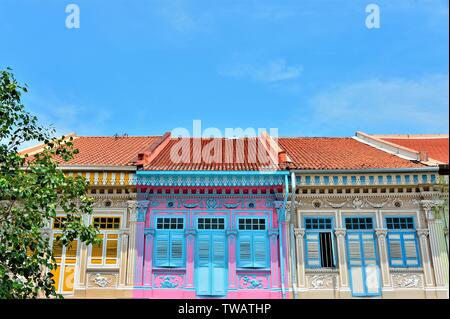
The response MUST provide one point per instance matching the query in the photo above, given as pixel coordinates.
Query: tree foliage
(32, 189)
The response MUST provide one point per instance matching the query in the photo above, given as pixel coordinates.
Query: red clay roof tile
(437, 148)
(338, 153)
(232, 155)
(108, 150)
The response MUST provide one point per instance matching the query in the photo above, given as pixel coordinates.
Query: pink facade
(210, 243)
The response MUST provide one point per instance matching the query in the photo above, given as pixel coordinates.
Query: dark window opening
(326, 250)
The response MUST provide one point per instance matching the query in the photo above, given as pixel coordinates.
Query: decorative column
(274, 266)
(123, 257)
(384, 262)
(300, 252)
(139, 244)
(149, 235)
(232, 235)
(427, 270)
(80, 279)
(190, 244)
(281, 213)
(438, 250)
(343, 269)
(132, 213)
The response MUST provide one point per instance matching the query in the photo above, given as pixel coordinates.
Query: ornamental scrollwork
(407, 280)
(322, 281)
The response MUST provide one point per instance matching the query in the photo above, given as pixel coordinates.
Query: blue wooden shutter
(219, 271)
(410, 249)
(312, 250)
(355, 261)
(395, 250)
(162, 250)
(203, 281)
(260, 250)
(176, 250)
(245, 250)
(372, 277)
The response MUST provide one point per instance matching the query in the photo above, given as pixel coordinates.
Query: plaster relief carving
(322, 281)
(407, 280)
(376, 204)
(336, 205)
(102, 280)
(357, 203)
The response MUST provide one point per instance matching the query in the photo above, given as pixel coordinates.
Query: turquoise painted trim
(333, 244)
(360, 232)
(402, 242)
(280, 232)
(369, 170)
(252, 234)
(212, 173)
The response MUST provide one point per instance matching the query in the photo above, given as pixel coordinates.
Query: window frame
(169, 233)
(318, 231)
(62, 263)
(105, 233)
(252, 233)
(402, 232)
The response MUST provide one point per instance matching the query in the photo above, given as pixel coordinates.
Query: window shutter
(203, 251)
(354, 250)
(260, 250)
(176, 250)
(219, 251)
(369, 247)
(395, 249)
(312, 250)
(245, 253)
(162, 250)
(410, 245)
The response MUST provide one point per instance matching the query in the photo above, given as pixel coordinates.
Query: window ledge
(405, 269)
(322, 270)
(103, 268)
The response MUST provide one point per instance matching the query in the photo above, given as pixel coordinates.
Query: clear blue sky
(308, 68)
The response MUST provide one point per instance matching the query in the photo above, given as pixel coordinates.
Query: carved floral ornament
(322, 281)
(101, 280)
(423, 232)
(407, 280)
(355, 203)
(340, 232)
(381, 232)
(299, 232)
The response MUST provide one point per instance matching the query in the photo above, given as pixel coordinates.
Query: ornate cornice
(202, 180)
(232, 233)
(423, 232)
(299, 232)
(190, 232)
(273, 233)
(381, 232)
(340, 232)
(150, 232)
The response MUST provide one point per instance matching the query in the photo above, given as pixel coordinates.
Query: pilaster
(381, 234)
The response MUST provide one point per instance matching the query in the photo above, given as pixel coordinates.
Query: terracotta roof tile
(437, 148)
(232, 155)
(338, 153)
(108, 150)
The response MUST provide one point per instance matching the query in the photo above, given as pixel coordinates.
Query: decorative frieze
(169, 281)
(225, 180)
(322, 281)
(407, 280)
(253, 281)
(102, 280)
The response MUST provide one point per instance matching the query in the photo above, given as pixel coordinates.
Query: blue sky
(308, 68)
